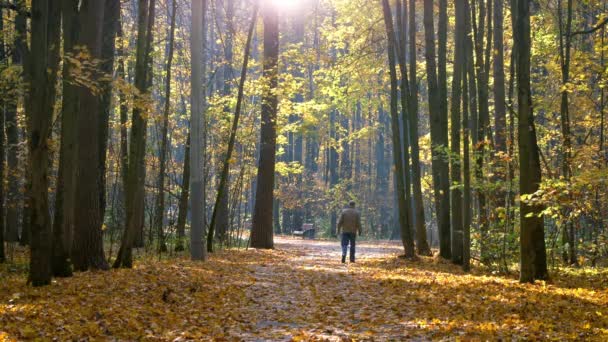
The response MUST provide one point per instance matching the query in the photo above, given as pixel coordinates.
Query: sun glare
(287, 5)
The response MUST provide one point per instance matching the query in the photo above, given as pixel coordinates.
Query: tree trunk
(442, 130)
(111, 23)
(222, 215)
(3, 65)
(455, 159)
(160, 200)
(422, 245)
(533, 259)
(401, 46)
(63, 224)
(500, 111)
(43, 65)
(262, 232)
(183, 199)
(198, 251)
(235, 125)
(407, 240)
(135, 167)
(565, 43)
(466, 198)
(14, 198)
(87, 252)
(482, 124)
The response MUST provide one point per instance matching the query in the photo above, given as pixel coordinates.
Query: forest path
(311, 294)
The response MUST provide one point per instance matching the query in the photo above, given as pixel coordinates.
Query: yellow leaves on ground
(301, 292)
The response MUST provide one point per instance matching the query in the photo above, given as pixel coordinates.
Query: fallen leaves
(301, 292)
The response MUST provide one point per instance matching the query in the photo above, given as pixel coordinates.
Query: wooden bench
(307, 231)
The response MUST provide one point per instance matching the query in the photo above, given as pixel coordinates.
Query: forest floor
(301, 292)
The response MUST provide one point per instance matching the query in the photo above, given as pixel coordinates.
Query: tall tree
(401, 46)
(14, 201)
(3, 65)
(198, 251)
(65, 197)
(87, 252)
(262, 229)
(455, 125)
(163, 152)
(407, 240)
(436, 78)
(223, 219)
(482, 124)
(110, 28)
(43, 65)
(235, 125)
(135, 168)
(422, 245)
(500, 112)
(565, 45)
(533, 259)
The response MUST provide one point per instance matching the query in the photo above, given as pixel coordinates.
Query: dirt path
(310, 294)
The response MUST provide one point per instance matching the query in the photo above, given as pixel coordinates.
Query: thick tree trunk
(198, 251)
(262, 232)
(87, 252)
(43, 65)
(533, 259)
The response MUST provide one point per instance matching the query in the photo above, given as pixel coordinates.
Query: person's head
(351, 204)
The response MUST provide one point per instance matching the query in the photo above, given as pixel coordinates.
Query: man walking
(349, 224)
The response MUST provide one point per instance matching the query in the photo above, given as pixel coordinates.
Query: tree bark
(3, 65)
(455, 159)
(160, 200)
(235, 125)
(262, 230)
(42, 76)
(87, 252)
(198, 250)
(422, 245)
(406, 237)
(63, 224)
(183, 199)
(533, 259)
(14, 198)
(111, 22)
(135, 167)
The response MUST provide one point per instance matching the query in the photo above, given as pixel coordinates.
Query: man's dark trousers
(346, 239)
